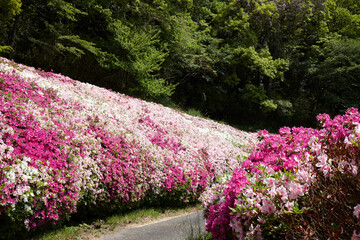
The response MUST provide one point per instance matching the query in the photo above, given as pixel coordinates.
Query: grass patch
(203, 236)
(198, 234)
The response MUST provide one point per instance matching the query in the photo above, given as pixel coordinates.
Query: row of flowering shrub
(64, 143)
(302, 183)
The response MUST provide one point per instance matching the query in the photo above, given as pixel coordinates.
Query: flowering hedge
(300, 184)
(64, 143)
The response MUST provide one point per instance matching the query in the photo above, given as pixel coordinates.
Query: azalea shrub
(66, 144)
(302, 183)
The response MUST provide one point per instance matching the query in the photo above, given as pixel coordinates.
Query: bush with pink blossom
(66, 145)
(300, 184)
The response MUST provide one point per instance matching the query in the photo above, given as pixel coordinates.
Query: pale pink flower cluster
(355, 236)
(284, 168)
(268, 193)
(357, 211)
(224, 145)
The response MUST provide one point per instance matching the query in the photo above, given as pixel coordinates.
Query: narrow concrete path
(177, 228)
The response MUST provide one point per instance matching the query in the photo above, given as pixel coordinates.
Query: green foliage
(5, 49)
(335, 81)
(65, 9)
(344, 17)
(285, 108)
(9, 9)
(268, 105)
(254, 94)
(152, 87)
(74, 50)
(106, 60)
(201, 54)
(145, 54)
(262, 62)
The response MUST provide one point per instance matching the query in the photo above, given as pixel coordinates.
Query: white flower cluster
(21, 174)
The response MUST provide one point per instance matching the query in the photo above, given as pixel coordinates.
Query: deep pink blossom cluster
(63, 142)
(279, 173)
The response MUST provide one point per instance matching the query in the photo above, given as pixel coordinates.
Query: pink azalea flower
(355, 236)
(357, 211)
(267, 207)
(357, 130)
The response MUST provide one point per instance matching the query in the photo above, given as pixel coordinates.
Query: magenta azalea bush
(302, 183)
(64, 143)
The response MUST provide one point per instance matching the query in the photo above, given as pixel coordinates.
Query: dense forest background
(247, 62)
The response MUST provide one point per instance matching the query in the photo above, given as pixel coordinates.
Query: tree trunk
(12, 37)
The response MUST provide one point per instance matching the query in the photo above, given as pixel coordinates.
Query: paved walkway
(177, 228)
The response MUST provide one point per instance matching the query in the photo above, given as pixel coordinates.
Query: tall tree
(9, 9)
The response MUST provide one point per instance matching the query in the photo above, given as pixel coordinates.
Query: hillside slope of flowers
(302, 183)
(64, 143)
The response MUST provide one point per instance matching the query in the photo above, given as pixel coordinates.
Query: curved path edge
(177, 228)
